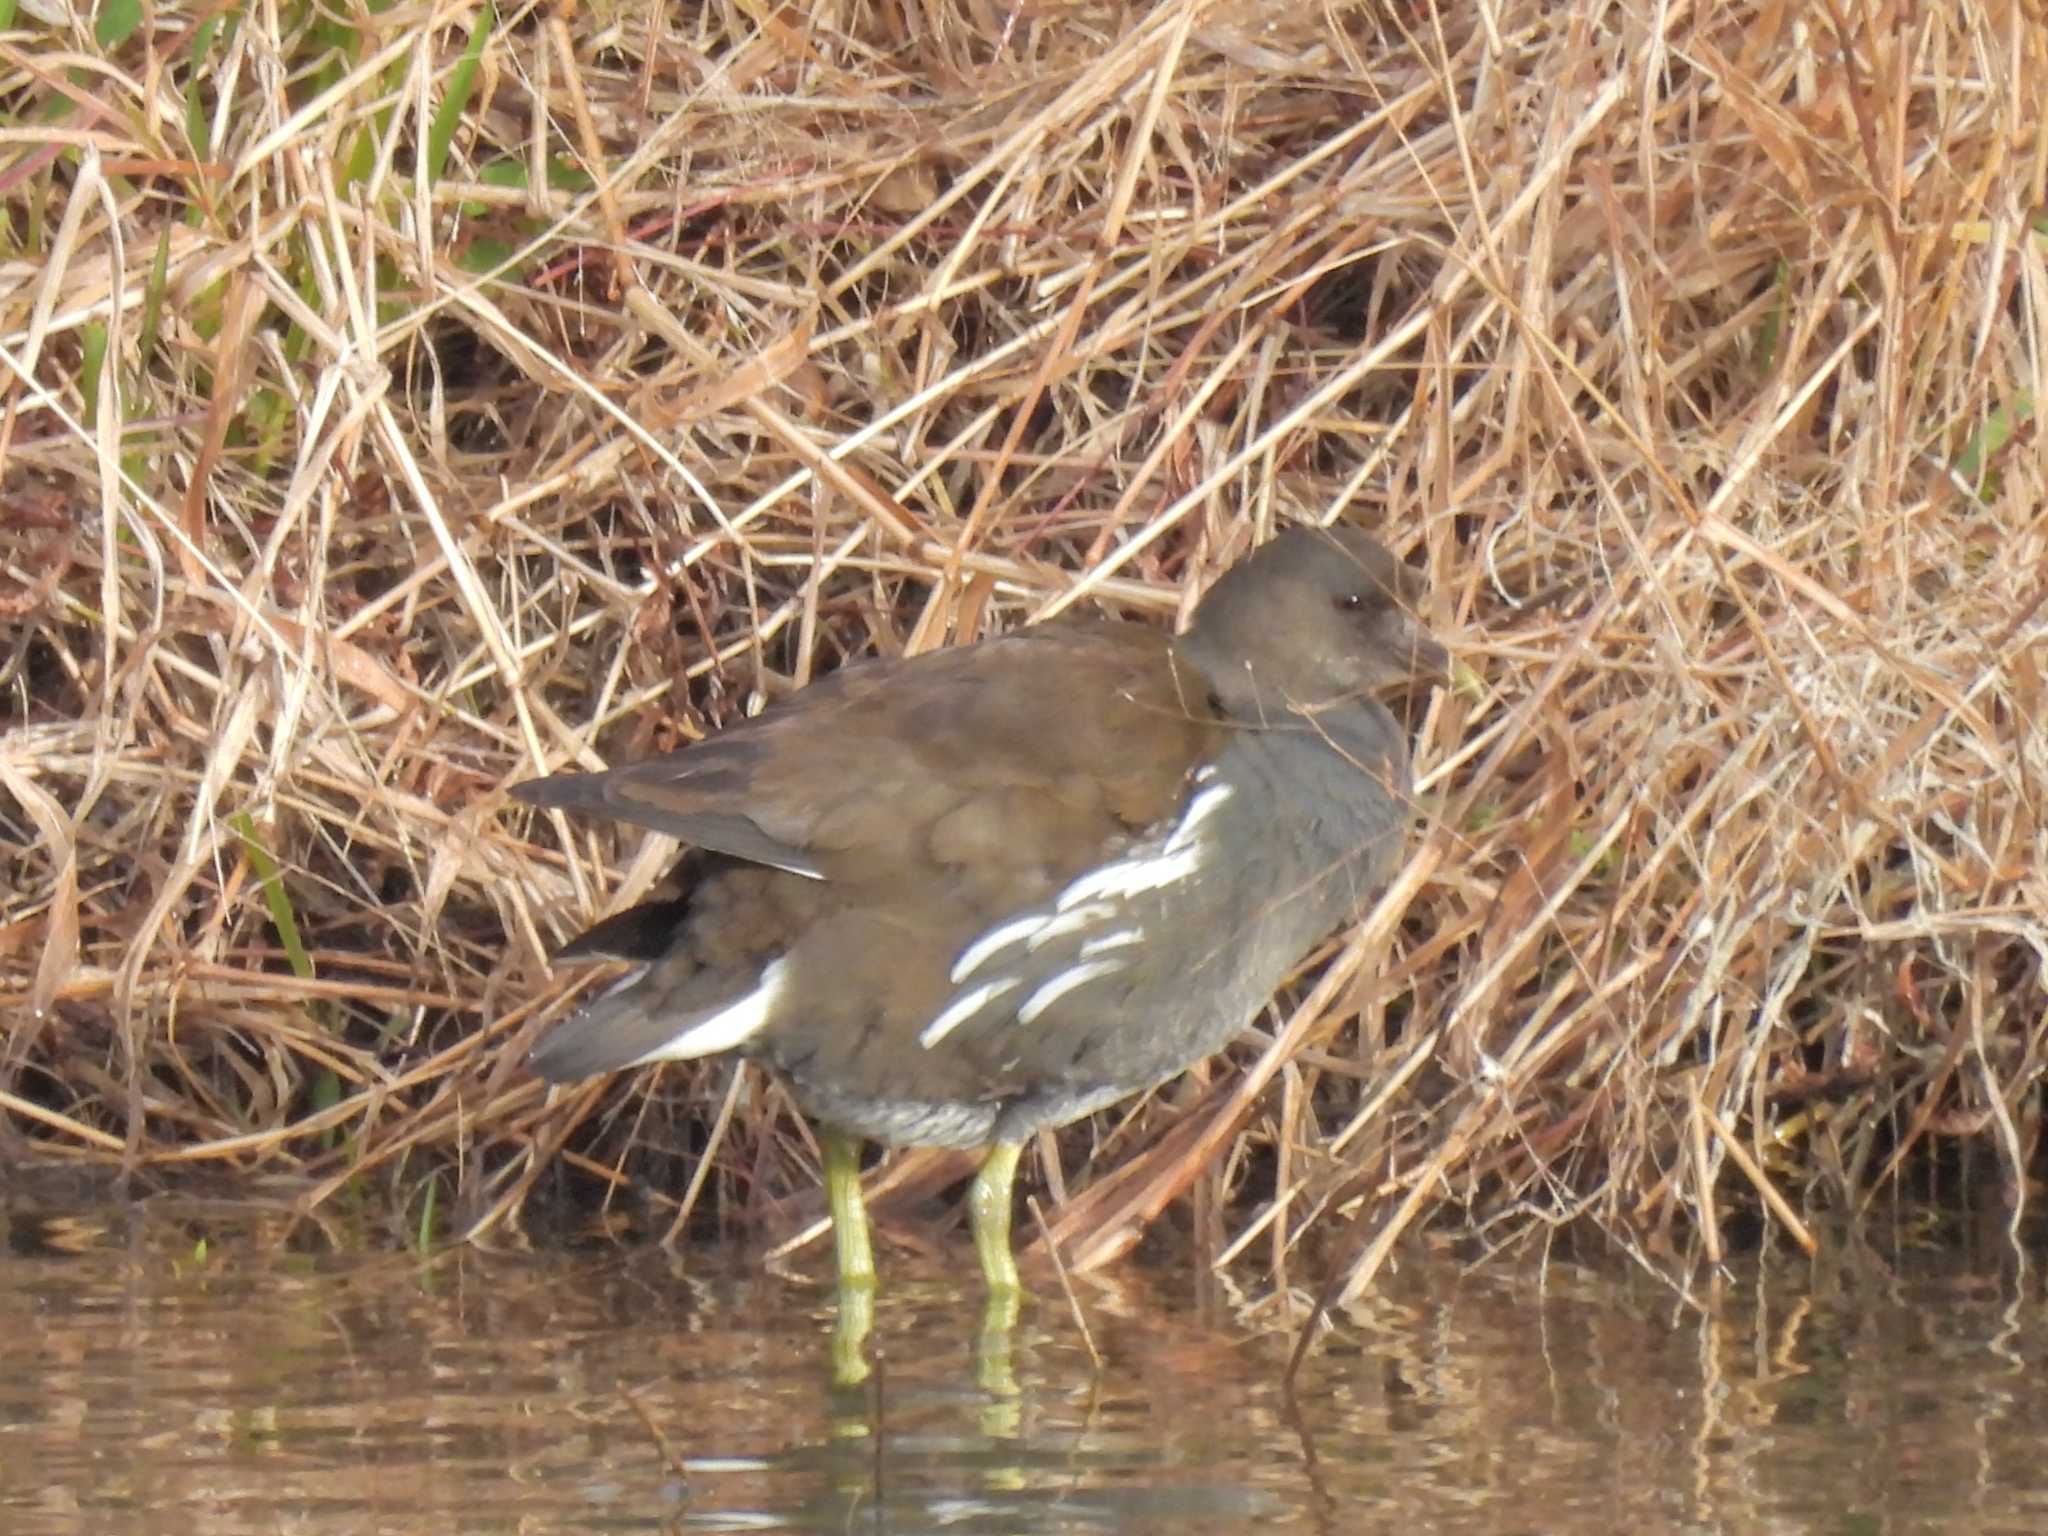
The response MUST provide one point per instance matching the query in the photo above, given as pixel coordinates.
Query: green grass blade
(461, 83)
(274, 896)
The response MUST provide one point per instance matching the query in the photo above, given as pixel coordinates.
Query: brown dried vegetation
(378, 432)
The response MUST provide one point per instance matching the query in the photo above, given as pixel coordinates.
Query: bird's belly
(993, 1028)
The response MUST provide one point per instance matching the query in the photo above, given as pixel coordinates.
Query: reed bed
(402, 403)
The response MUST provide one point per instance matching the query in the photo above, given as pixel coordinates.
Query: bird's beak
(1430, 664)
(1430, 659)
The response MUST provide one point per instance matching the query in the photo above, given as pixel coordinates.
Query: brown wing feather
(944, 759)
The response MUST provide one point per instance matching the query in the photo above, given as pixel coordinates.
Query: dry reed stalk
(397, 412)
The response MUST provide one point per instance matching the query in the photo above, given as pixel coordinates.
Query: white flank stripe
(1009, 933)
(1123, 938)
(1129, 877)
(1071, 922)
(1181, 856)
(1062, 984)
(1199, 810)
(726, 1028)
(962, 1009)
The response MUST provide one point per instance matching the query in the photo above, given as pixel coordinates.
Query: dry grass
(379, 431)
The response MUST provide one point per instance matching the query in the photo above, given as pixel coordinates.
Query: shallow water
(173, 1370)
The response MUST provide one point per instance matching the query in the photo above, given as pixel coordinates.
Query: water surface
(176, 1369)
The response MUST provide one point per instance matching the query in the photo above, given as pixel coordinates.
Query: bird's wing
(987, 756)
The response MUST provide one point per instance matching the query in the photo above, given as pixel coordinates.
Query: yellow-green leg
(988, 1210)
(849, 1217)
(856, 1257)
(994, 1349)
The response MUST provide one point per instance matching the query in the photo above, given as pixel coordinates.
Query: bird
(961, 898)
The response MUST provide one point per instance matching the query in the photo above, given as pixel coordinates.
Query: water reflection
(166, 1369)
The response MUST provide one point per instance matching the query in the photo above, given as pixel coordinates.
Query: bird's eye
(1350, 602)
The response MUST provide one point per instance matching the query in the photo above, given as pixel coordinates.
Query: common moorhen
(965, 897)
